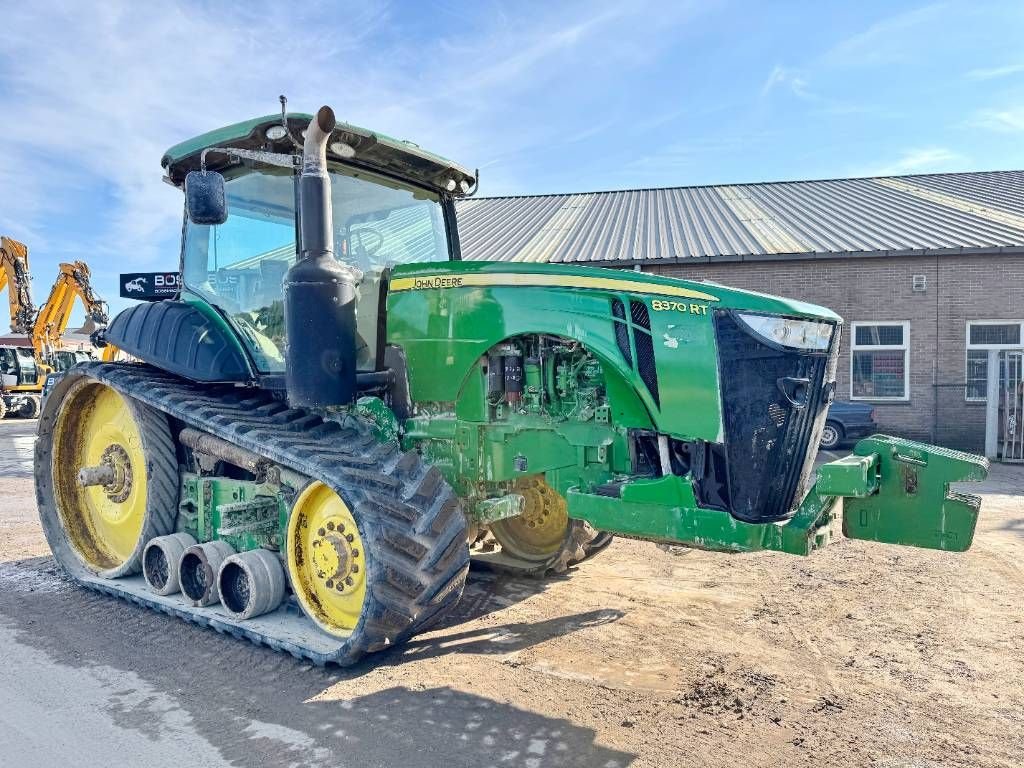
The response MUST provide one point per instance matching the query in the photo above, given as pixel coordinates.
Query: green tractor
(336, 414)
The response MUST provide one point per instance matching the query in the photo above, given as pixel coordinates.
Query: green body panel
(664, 510)
(245, 514)
(913, 504)
(445, 330)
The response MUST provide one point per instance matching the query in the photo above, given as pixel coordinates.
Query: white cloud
(892, 39)
(992, 73)
(1009, 120)
(790, 79)
(919, 160)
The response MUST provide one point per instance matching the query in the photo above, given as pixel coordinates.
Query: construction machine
(73, 282)
(335, 413)
(26, 369)
(21, 382)
(21, 379)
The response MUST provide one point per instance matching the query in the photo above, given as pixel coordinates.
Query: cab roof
(373, 151)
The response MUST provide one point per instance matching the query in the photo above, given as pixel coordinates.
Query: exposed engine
(545, 375)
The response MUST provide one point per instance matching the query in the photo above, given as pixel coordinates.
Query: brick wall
(959, 288)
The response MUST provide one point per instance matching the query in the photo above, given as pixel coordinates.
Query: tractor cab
(392, 204)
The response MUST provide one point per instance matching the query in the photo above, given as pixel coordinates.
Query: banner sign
(150, 286)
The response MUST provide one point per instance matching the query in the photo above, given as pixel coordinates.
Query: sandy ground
(859, 656)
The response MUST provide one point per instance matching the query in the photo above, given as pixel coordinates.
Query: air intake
(645, 364)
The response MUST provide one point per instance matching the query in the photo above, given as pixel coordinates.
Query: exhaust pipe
(319, 291)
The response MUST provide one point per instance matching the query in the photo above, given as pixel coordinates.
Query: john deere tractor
(336, 413)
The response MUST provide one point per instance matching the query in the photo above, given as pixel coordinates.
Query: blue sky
(542, 97)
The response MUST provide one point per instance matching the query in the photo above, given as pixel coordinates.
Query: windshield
(240, 265)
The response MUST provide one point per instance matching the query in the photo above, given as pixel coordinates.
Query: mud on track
(860, 656)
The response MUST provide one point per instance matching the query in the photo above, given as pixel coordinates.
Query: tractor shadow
(489, 590)
(255, 706)
(500, 640)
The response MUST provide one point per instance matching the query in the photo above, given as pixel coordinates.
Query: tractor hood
(362, 149)
(559, 276)
(446, 316)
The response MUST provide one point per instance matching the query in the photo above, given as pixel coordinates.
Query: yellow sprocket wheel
(327, 560)
(539, 533)
(114, 476)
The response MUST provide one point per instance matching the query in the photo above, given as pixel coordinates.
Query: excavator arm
(14, 276)
(52, 320)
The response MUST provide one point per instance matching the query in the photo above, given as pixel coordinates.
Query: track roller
(161, 559)
(251, 583)
(198, 569)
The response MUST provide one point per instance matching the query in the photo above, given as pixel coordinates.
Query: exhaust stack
(319, 291)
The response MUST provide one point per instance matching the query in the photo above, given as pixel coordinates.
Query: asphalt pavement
(17, 436)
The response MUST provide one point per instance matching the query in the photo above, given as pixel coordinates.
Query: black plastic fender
(179, 338)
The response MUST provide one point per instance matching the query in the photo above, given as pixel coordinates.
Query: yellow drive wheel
(106, 453)
(539, 533)
(327, 560)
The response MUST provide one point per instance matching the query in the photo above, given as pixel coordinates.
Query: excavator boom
(53, 317)
(14, 275)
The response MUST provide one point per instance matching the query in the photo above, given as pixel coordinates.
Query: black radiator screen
(774, 402)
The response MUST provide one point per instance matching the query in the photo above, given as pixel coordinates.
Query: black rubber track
(412, 526)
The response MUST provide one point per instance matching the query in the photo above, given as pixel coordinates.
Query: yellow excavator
(24, 370)
(21, 377)
(52, 321)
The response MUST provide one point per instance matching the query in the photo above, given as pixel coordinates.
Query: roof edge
(749, 184)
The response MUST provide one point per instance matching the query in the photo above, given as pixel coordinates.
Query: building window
(879, 361)
(982, 336)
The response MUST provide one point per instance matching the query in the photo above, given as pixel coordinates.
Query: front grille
(638, 311)
(643, 344)
(645, 364)
(769, 442)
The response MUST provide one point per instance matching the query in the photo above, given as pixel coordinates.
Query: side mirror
(205, 201)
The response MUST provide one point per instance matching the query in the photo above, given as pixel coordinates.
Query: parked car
(847, 421)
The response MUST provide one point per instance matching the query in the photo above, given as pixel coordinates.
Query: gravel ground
(859, 656)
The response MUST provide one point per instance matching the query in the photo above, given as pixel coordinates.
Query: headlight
(801, 334)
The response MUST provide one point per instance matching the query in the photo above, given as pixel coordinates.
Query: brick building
(926, 271)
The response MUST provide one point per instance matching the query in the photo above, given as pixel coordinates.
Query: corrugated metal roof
(936, 213)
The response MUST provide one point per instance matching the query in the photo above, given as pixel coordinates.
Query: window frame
(969, 347)
(904, 347)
